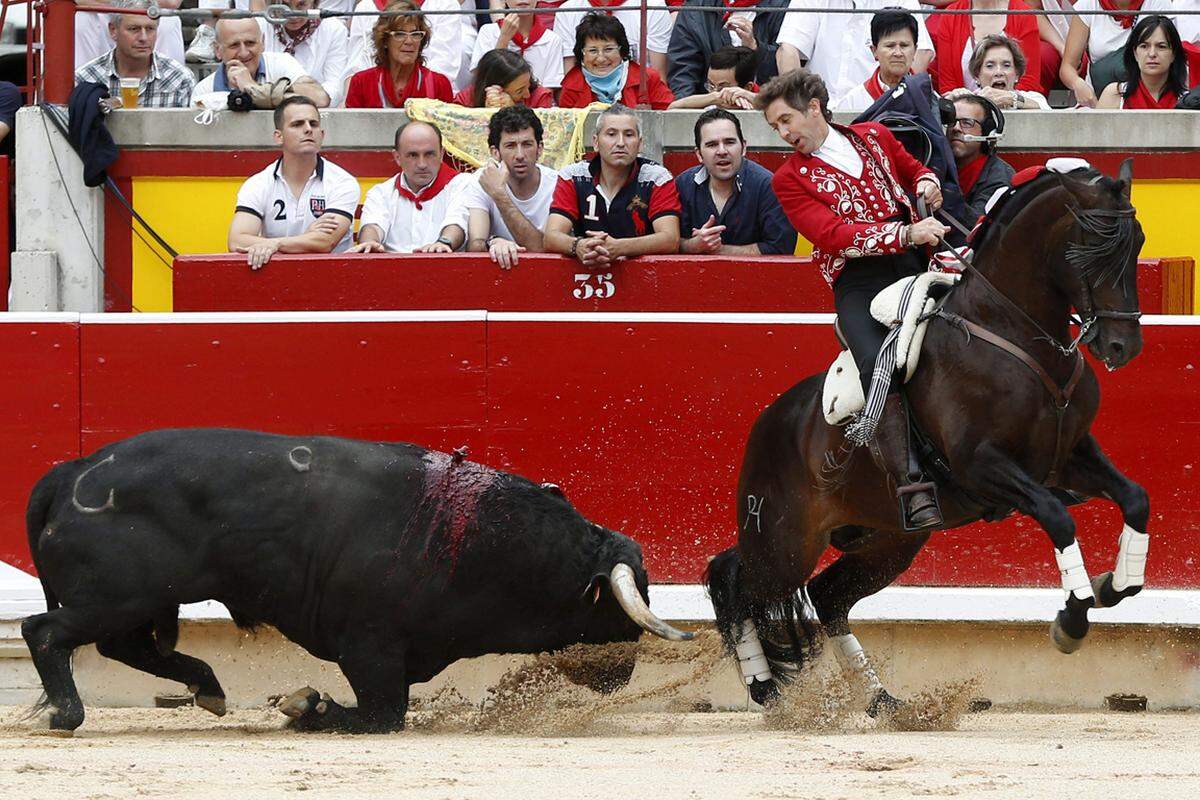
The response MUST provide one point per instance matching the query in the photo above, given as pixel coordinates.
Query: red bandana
(1141, 98)
(606, 4)
(874, 86)
(291, 41)
(419, 85)
(735, 4)
(446, 173)
(969, 173)
(1124, 20)
(523, 43)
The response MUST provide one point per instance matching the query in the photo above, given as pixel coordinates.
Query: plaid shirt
(169, 84)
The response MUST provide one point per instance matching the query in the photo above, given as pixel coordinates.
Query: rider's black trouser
(854, 289)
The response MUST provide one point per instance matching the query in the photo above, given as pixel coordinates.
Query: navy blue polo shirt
(752, 215)
(648, 194)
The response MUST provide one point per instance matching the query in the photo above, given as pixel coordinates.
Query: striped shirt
(169, 84)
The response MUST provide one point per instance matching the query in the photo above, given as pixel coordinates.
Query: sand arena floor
(538, 736)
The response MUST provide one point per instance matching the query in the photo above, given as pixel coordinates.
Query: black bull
(389, 559)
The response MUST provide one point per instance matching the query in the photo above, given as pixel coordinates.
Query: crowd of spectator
(615, 204)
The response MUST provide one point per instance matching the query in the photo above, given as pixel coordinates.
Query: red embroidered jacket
(847, 217)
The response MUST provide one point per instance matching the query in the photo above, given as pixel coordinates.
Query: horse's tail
(789, 637)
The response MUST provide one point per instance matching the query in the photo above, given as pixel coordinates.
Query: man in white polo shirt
(301, 203)
(504, 209)
(405, 213)
(320, 45)
(240, 48)
(525, 34)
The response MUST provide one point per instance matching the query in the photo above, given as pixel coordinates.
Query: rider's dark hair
(796, 88)
(891, 20)
(715, 115)
(513, 119)
(1177, 74)
(742, 60)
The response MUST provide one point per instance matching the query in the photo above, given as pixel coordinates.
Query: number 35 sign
(593, 285)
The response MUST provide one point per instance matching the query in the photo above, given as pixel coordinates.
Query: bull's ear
(1125, 177)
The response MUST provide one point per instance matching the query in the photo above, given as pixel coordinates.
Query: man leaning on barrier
(300, 203)
(266, 77)
(615, 204)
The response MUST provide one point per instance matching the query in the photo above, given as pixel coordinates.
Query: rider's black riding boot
(890, 449)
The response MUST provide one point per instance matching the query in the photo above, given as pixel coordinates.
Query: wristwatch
(1016, 99)
(445, 241)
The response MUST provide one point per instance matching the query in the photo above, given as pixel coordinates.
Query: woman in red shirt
(502, 79)
(603, 72)
(399, 72)
(1156, 65)
(955, 35)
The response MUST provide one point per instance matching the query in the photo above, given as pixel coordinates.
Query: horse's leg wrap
(751, 659)
(1075, 579)
(1131, 559)
(852, 658)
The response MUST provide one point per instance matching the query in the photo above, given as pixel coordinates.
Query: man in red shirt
(844, 189)
(615, 204)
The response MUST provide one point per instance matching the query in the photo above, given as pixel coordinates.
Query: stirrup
(902, 493)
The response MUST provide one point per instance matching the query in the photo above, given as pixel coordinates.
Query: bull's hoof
(54, 721)
(300, 702)
(1106, 595)
(883, 705)
(1063, 640)
(212, 704)
(764, 693)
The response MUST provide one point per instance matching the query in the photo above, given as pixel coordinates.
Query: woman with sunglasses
(604, 73)
(399, 72)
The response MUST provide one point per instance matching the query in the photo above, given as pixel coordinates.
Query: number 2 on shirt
(279, 207)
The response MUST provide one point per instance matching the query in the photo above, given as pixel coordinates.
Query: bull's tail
(41, 499)
(789, 637)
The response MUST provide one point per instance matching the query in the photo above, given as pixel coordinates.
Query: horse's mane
(1113, 227)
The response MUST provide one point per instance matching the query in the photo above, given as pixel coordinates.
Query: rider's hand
(932, 194)
(927, 231)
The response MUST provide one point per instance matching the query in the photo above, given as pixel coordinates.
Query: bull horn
(625, 588)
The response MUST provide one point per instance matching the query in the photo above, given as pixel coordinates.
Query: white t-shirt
(92, 39)
(323, 55)
(545, 55)
(838, 46)
(536, 208)
(448, 51)
(406, 227)
(274, 67)
(1106, 34)
(1188, 25)
(267, 196)
(658, 25)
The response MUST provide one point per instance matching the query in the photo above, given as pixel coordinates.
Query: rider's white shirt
(836, 151)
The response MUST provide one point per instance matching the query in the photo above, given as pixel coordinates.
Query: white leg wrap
(1131, 559)
(1074, 575)
(751, 659)
(850, 653)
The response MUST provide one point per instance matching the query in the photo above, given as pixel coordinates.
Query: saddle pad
(888, 308)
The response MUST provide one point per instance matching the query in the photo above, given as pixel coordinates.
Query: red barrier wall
(39, 427)
(640, 417)
(546, 283)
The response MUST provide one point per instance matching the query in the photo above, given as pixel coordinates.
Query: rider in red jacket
(844, 189)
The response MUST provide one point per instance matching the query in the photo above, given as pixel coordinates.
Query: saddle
(905, 304)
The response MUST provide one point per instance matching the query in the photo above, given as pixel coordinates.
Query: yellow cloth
(464, 130)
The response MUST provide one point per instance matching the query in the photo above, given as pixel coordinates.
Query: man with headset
(977, 127)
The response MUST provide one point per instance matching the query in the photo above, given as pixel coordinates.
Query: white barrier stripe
(276, 317)
(699, 317)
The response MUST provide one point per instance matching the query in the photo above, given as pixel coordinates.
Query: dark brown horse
(1006, 400)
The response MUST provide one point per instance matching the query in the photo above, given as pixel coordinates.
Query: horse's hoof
(212, 704)
(1106, 595)
(299, 702)
(883, 704)
(763, 692)
(1065, 642)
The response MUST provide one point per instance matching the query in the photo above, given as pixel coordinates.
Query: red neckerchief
(446, 173)
(733, 4)
(291, 41)
(1141, 98)
(1124, 20)
(417, 86)
(523, 43)
(969, 173)
(606, 5)
(874, 86)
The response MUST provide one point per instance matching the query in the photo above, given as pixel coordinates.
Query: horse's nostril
(1117, 347)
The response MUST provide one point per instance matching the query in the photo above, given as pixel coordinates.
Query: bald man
(243, 64)
(405, 213)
